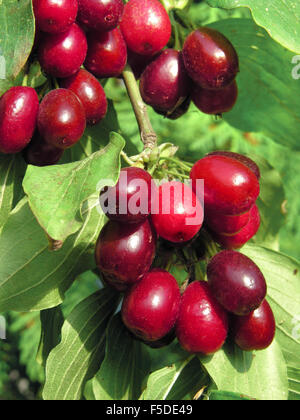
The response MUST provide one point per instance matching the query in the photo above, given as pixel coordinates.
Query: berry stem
(148, 135)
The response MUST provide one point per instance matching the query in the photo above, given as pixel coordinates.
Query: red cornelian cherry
(239, 239)
(130, 200)
(230, 187)
(61, 118)
(227, 225)
(177, 214)
(138, 62)
(255, 331)
(150, 308)
(107, 53)
(40, 153)
(91, 94)
(18, 117)
(236, 282)
(125, 252)
(215, 102)
(100, 15)
(146, 26)
(61, 55)
(202, 324)
(241, 158)
(210, 58)
(54, 16)
(165, 84)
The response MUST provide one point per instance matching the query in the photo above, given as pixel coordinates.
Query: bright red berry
(100, 15)
(91, 94)
(202, 323)
(40, 153)
(146, 26)
(215, 102)
(226, 225)
(54, 16)
(150, 308)
(18, 116)
(241, 158)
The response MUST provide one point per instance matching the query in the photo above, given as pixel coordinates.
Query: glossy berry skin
(100, 15)
(202, 324)
(18, 116)
(40, 153)
(227, 225)
(130, 200)
(178, 214)
(178, 112)
(165, 84)
(239, 239)
(138, 62)
(210, 58)
(150, 308)
(91, 94)
(255, 331)
(125, 252)
(61, 55)
(107, 54)
(146, 26)
(230, 187)
(54, 16)
(241, 158)
(215, 102)
(236, 282)
(61, 118)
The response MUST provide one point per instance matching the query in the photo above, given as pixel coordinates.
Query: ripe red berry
(130, 200)
(210, 58)
(138, 62)
(61, 118)
(255, 331)
(54, 16)
(125, 252)
(40, 153)
(178, 214)
(202, 323)
(241, 158)
(178, 112)
(62, 55)
(91, 94)
(230, 187)
(165, 84)
(146, 26)
(150, 308)
(107, 53)
(244, 235)
(226, 225)
(236, 282)
(215, 102)
(100, 15)
(18, 116)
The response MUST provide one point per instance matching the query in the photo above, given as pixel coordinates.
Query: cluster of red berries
(154, 309)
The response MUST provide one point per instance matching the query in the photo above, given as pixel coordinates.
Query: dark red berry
(40, 153)
(91, 94)
(215, 102)
(244, 235)
(146, 26)
(150, 308)
(241, 158)
(62, 55)
(18, 116)
(236, 282)
(255, 331)
(61, 118)
(100, 15)
(165, 84)
(210, 58)
(138, 62)
(130, 200)
(55, 16)
(177, 214)
(125, 252)
(226, 225)
(202, 324)
(107, 53)
(230, 187)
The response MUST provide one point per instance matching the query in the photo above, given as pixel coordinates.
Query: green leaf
(261, 375)
(227, 396)
(77, 358)
(57, 193)
(16, 39)
(31, 276)
(266, 102)
(279, 18)
(125, 366)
